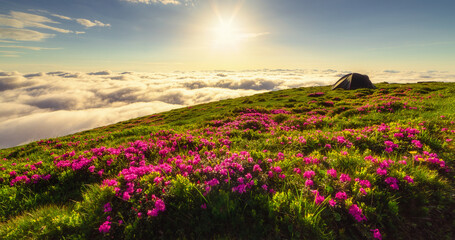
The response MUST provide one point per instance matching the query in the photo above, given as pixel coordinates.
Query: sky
(187, 35)
(68, 66)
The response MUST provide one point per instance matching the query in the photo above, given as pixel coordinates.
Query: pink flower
(409, 179)
(363, 191)
(105, 227)
(152, 213)
(276, 169)
(381, 171)
(345, 178)
(398, 135)
(159, 204)
(332, 203)
(393, 182)
(319, 199)
(364, 183)
(376, 234)
(110, 182)
(341, 196)
(297, 170)
(332, 172)
(204, 206)
(417, 143)
(91, 168)
(308, 174)
(257, 168)
(356, 212)
(107, 207)
(126, 196)
(309, 183)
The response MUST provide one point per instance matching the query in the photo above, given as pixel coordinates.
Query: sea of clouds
(43, 105)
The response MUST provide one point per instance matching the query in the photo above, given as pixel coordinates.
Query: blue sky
(163, 35)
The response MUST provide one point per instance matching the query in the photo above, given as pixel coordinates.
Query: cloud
(43, 125)
(7, 21)
(62, 17)
(42, 105)
(28, 17)
(22, 34)
(10, 55)
(32, 75)
(165, 2)
(22, 20)
(27, 47)
(391, 71)
(247, 36)
(12, 82)
(87, 23)
(105, 72)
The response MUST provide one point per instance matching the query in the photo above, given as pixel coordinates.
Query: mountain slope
(299, 163)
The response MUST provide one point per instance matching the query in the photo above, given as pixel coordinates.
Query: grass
(300, 163)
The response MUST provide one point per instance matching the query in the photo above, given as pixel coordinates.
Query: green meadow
(304, 163)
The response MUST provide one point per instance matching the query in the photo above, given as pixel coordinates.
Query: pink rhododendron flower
(381, 171)
(309, 183)
(409, 179)
(152, 213)
(332, 202)
(105, 227)
(345, 178)
(364, 183)
(257, 168)
(376, 234)
(332, 172)
(126, 196)
(159, 204)
(393, 182)
(417, 143)
(356, 212)
(319, 199)
(107, 207)
(341, 196)
(308, 174)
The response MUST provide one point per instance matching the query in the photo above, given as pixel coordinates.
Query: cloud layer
(42, 105)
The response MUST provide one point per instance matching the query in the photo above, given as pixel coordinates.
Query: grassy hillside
(299, 163)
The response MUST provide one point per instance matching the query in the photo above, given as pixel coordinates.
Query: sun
(226, 35)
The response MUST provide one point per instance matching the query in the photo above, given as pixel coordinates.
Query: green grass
(292, 130)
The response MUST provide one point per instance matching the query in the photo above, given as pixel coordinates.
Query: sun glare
(226, 36)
